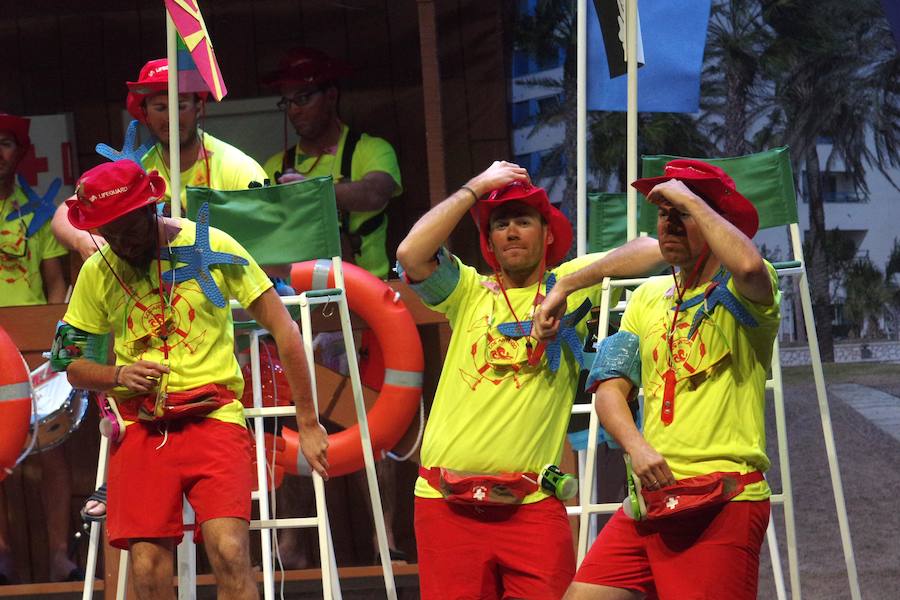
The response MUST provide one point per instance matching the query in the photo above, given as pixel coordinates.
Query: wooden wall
(74, 56)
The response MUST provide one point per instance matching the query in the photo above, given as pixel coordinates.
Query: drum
(59, 409)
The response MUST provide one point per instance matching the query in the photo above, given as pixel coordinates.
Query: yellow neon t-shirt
(492, 412)
(228, 168)
(719, 413)
(20, 257)
(371, 154)
(201, 335)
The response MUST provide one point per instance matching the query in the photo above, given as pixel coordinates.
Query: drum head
(59, 409)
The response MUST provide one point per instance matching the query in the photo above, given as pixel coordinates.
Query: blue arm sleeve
(618, 356)
(438, 286)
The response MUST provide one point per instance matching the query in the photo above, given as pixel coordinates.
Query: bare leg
(56, 489)
(587, 591)
(152, 567)
(227, 543)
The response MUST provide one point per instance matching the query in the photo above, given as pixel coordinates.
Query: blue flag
(674, 35)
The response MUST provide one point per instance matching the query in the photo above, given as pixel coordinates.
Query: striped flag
(197, 65)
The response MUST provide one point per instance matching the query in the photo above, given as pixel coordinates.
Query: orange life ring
(394, 328)
(15, 403)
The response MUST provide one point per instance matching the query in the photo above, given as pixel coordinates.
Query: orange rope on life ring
(15, 403)
(394, 328)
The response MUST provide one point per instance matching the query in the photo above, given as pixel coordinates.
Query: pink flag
(189, 23)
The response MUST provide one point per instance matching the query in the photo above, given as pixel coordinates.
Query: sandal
(99, 495)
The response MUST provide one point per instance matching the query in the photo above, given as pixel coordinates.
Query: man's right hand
(498, 175)
(142, 376)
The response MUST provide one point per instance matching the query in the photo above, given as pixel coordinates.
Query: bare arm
(638, 257)
(416, 252)
(372, 192)
(73, 239)
(54, 280)
(612, 408)
(142, 376)
(726, 242)
(269, 311)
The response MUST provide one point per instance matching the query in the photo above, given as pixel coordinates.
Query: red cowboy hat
(306, 66)
(111, 190)
(713, 185)
(18, 126)
(153, 79)
(534, 197)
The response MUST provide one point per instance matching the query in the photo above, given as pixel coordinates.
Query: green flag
(277, 224)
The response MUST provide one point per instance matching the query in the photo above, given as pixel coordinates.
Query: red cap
(534, 197)
(153, 79)
(712, 184)
(18, 126)
(111, 190)
(307, 66)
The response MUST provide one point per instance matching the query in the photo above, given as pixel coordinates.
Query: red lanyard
(667, 414)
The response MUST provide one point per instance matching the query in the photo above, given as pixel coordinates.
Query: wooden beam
(431, 92)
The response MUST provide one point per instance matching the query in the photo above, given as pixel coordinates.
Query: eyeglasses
(300, 100)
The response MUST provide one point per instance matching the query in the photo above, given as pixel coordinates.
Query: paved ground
(869, 458)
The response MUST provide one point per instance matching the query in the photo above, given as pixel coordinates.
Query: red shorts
(207, 460)
(486, 552)
(713, 553)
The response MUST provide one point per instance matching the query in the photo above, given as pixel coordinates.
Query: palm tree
(836, 77)
(734, 90)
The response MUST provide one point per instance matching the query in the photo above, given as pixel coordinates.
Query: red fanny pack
(696, 493)
(176, 405)
(480, 488)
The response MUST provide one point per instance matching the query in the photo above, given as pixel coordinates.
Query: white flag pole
(631, 119)
(174, 138)
(581, 131)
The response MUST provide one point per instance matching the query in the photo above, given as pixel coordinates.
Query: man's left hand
(548, 313)
(314, 446)
(674, 193)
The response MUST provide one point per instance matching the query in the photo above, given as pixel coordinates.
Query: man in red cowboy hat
(174, 395)
(700, 347)
(484, 527)
(205, 160)
(32, 272)
(364, 167)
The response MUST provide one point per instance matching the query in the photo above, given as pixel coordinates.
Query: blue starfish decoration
(199, 259)
(128, 151)
(42, 207)
(717, 293)
(566, 332)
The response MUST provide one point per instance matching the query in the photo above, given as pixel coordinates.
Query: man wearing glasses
(205, 161)
(31, 272)
(364, 167)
